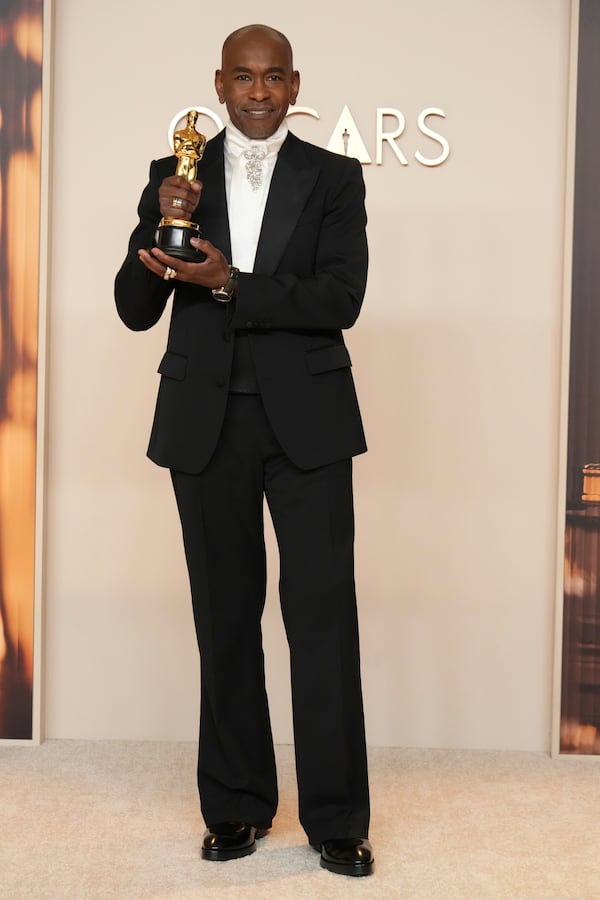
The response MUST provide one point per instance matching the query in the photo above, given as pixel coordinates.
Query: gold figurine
(188, 145)
(173, 234)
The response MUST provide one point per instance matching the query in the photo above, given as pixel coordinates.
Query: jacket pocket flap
(173, 365)
(325, 359)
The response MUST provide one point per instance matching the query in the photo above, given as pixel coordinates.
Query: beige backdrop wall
(456, 358)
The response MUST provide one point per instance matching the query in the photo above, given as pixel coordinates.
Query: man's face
(257, 83)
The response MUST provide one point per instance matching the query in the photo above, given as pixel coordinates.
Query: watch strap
(226, 293)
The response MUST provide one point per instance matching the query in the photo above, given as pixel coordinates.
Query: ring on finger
(169, 273)
(177, 203)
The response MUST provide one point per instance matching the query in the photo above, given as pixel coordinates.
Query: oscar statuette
(173, 235)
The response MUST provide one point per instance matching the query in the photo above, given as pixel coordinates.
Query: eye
(242, 77)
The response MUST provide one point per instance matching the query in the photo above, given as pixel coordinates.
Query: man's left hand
(212, 273)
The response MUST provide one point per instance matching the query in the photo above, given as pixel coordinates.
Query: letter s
(438, 160)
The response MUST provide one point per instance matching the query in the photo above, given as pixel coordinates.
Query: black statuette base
(175, 241)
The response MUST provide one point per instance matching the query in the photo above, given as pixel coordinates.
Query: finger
(174, 204)
(179, 183)
(209, 249)
(173, 267)
(178, 197)
(164, 259)
(174, 182)
(214, 257)
(150, 262)
(178, 204)
(156, 266)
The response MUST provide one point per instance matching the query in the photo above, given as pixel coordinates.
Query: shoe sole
(224, 855)
(237, 853)
(355, 870)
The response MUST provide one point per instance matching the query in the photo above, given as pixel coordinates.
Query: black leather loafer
(346, 856)
(230, 840)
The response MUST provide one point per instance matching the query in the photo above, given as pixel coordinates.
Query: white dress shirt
(246, 200)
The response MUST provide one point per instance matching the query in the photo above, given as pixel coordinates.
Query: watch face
(225, 293)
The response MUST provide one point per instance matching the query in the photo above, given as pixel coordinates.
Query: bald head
(259, 29)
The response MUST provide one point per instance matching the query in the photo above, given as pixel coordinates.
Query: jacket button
(220, 382)
(249, 324)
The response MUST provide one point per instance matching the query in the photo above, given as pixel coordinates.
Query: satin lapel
(212, 210)
(293, 179)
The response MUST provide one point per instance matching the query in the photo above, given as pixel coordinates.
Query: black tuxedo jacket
(307, 285)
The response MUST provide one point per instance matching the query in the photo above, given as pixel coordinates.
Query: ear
(295, 87)
(219, 85)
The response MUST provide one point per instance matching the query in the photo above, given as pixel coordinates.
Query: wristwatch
(226, 293)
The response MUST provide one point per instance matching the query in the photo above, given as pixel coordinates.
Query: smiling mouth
(259, 112)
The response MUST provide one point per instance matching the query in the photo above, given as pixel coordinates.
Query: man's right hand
(186, 197)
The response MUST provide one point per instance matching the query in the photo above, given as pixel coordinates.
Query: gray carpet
(120, 820)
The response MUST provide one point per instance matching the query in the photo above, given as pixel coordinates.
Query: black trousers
(221, 512)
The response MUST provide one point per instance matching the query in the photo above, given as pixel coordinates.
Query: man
(256, 399)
